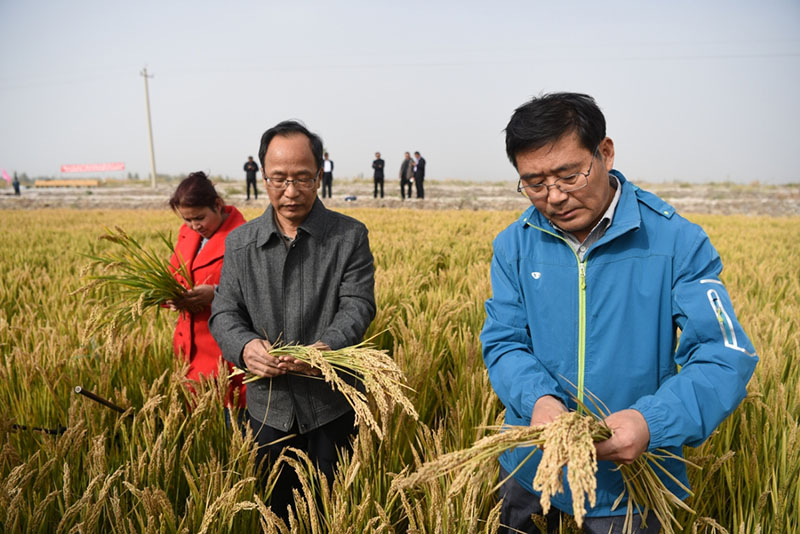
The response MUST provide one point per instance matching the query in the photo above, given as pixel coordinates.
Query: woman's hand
(194, 300)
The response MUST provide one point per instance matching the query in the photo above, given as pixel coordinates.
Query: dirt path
(706, 198)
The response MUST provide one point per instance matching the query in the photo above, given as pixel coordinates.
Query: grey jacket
(319, 289)
(407, 170)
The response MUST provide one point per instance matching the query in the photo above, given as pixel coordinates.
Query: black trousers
(377, 181)
(420, 183)
(519, 504)
(327, 181)
(255, 188)
(403, 184)
(322, 445)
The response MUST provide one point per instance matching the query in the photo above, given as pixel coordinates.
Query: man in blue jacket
(590, 287)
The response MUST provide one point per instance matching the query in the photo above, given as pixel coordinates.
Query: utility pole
(144, 74)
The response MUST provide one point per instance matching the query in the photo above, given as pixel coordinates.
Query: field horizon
(722, 198)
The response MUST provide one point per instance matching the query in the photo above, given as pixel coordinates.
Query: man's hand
(194, 300)
(259, 361)
(630, 438)
(298, 366)
(546, 410)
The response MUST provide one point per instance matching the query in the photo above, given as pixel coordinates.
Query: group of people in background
(558, 314)
(412, 173)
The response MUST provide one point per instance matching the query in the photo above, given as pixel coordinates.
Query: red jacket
(192, 340)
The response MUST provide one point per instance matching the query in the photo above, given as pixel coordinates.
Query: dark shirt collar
(314, 225)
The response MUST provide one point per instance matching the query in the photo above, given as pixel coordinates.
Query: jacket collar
(314, 225)
(215, 247)
(626, 215)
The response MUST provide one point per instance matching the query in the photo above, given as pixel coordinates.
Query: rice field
(169, 464)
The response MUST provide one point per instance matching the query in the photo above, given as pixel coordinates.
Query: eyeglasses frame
(286, 182)
(542, 190)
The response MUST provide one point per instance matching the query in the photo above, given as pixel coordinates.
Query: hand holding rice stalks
(141, 277)
(567, 442)
(382, 378)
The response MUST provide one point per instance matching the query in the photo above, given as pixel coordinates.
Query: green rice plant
(141, 277)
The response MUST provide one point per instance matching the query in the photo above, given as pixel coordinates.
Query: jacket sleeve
(356, 298)
(517, 375)
(229, 321)
(715, 356)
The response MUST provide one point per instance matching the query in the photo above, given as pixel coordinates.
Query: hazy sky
(692, 91)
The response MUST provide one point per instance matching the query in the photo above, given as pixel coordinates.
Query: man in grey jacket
(298, 274)
(406, 175)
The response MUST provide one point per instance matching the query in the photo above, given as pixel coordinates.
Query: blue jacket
(610, 324)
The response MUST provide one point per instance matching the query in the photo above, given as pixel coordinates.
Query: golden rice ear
(383, 380)
(567, 442)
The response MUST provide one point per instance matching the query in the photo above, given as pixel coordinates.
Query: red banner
(93, 167)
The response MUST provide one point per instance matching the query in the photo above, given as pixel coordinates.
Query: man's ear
(606, 150)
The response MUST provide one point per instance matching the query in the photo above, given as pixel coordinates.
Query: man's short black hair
(546, 118)
(286, 129)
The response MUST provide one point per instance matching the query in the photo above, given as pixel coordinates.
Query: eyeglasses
(567, 184)
(299, 183)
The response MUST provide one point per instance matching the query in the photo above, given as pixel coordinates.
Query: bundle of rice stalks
(139, 278)
(647, 493)
(567, 442)
(383, 379)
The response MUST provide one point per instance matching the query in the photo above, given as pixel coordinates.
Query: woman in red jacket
(201, 247)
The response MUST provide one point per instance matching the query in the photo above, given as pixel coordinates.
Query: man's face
(579, 211)
(408, 156)
(291, 158)
(377, 155)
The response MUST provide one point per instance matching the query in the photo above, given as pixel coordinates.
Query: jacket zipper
(581, 326)
(581, 313)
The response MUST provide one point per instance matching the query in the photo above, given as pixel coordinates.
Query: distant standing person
(15, 183)
(377, 177)
(251, 168)
(419, 175)
(406, 175)
(327, 175)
